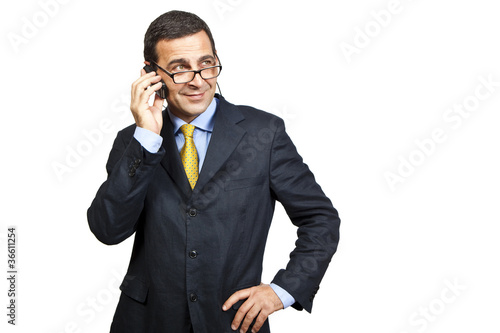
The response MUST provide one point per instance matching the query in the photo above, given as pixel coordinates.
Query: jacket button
(193, 254)
(192, 212)
(193, 297)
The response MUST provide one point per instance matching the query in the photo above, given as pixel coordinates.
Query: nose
(197, 81)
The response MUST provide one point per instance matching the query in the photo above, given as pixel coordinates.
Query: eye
(207, 63)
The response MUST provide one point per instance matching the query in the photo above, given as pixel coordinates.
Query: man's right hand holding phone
(147, 116)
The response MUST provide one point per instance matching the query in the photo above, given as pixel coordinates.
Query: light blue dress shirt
(203, 132)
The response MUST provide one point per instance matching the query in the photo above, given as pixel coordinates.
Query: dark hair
(171, 25)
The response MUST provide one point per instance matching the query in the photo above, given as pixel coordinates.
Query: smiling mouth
(195, 96)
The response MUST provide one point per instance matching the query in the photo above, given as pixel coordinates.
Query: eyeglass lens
(207, 73)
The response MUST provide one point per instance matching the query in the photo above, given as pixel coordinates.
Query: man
(198, 184)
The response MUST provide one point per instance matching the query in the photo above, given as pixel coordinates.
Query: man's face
(194, 52)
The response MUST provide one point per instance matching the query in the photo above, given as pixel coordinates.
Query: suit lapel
(226, 136)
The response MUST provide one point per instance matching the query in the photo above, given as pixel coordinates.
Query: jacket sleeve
(312, 212)
(117, 206)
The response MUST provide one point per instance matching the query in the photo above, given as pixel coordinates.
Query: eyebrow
(186, 61)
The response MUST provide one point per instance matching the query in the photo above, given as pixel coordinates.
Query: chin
(190, 109)
(198, 108)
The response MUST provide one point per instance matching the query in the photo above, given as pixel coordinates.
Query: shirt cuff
(149, 140)
(283, 295)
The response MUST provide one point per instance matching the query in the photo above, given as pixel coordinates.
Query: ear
(147, 63)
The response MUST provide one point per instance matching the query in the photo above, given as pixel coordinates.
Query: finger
(150, 90)
(261, 319)
(143, 72)
(240, 315)
(249, 317)
(145, 80)
(142, 83)
(154, 86)
(140, 99)
(144, 76)
(239, 295)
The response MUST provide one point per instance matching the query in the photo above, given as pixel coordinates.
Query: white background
(428, 244)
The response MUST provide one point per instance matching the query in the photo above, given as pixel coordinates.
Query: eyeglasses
(188, 76)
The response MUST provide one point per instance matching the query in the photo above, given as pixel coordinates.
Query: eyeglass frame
(195, 72)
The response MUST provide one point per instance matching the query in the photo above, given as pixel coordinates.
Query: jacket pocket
(243, 183)
(135, 288)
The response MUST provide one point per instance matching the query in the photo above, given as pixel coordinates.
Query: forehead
(189, 47)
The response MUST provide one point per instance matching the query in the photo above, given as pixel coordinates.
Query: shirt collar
(204, 121)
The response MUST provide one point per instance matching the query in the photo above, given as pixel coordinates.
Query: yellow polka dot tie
(189, 155)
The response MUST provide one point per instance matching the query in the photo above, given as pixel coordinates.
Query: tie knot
(187, 130)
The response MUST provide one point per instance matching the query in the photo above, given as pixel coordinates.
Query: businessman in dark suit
(197, 184)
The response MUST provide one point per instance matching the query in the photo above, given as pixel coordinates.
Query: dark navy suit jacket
(194, 248)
